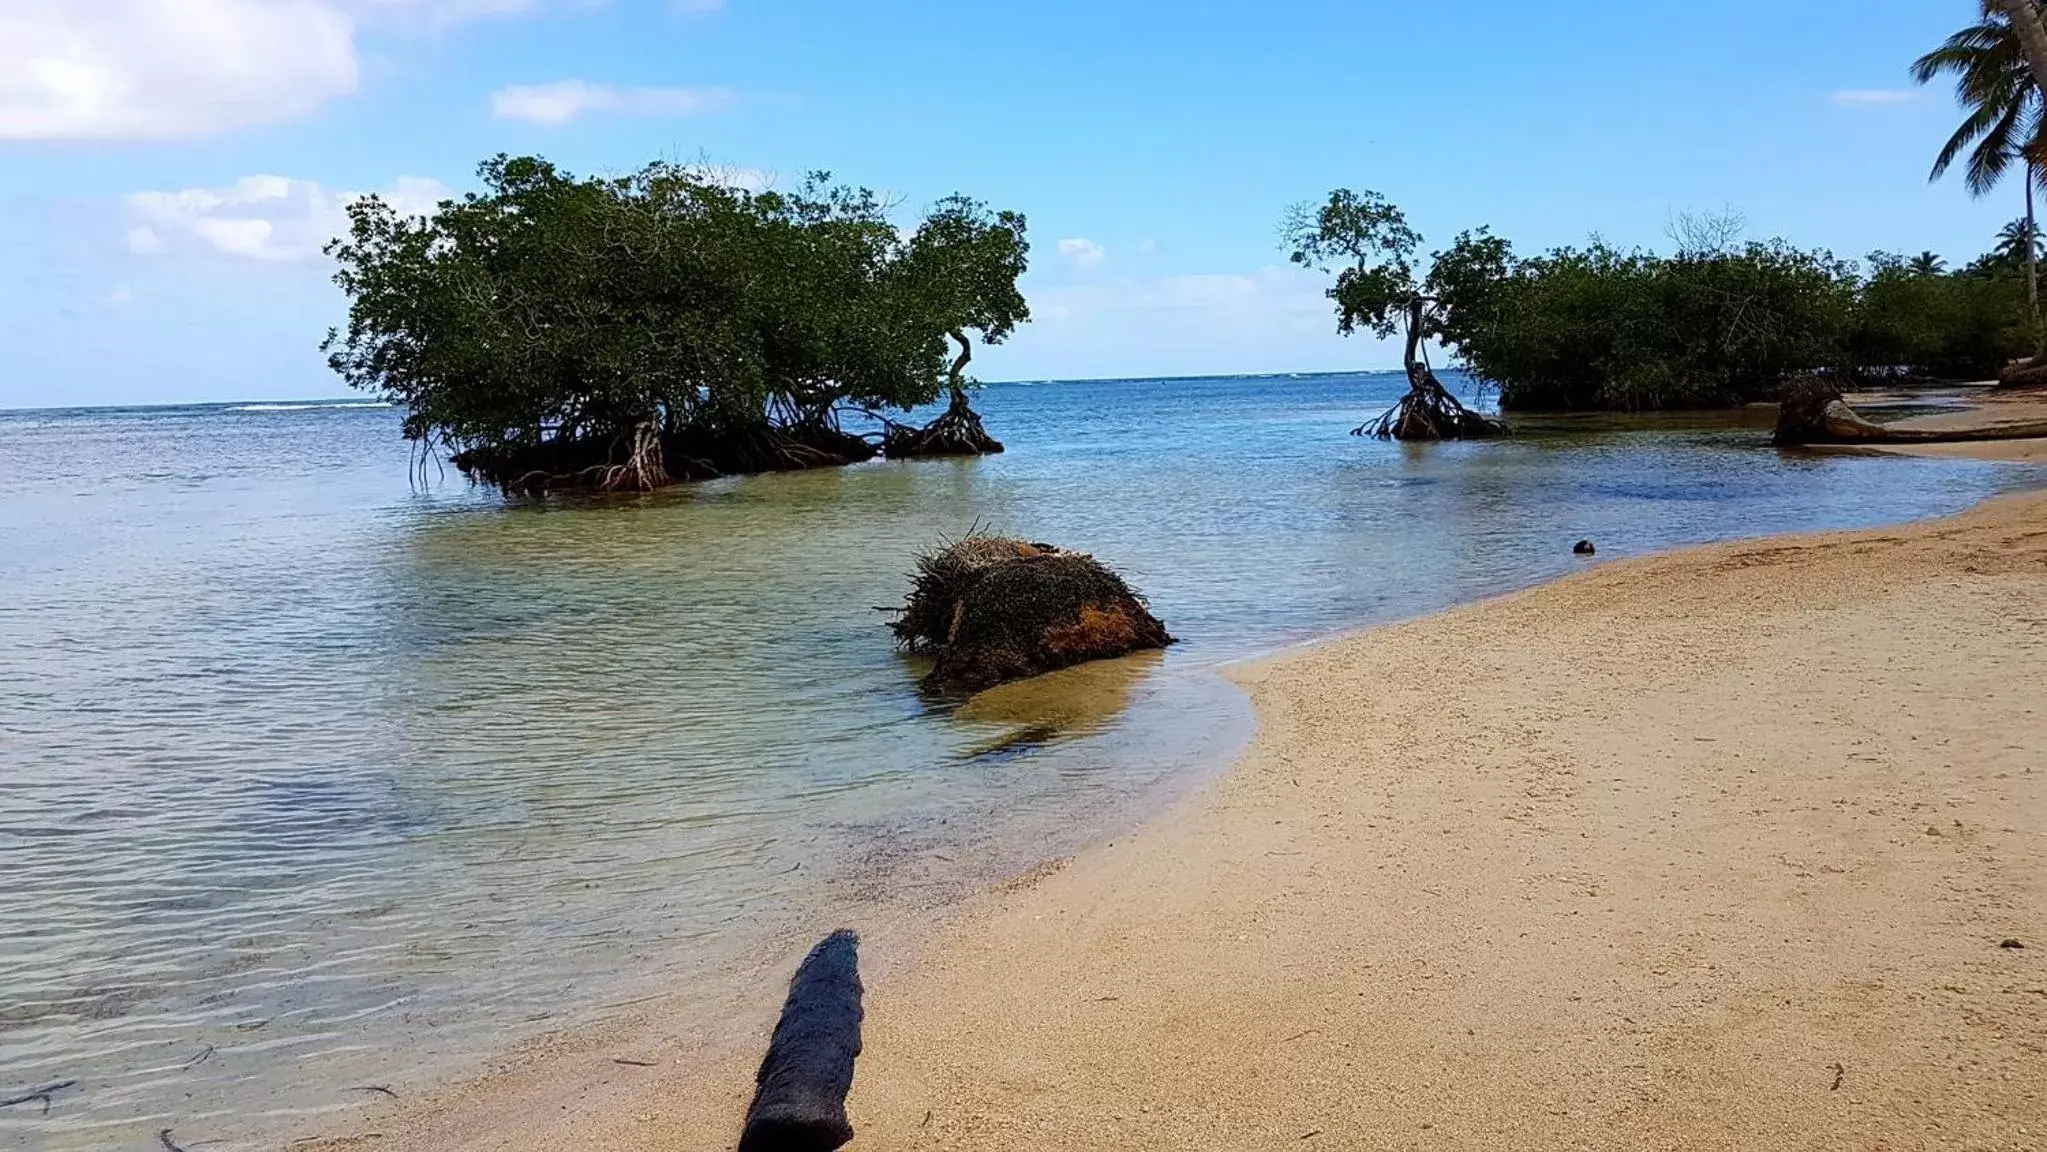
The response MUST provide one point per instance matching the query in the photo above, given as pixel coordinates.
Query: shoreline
(981, 1033)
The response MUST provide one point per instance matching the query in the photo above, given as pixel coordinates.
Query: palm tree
(1928, 264)
(2025, 19)
(2012, 248)
(1994, 81)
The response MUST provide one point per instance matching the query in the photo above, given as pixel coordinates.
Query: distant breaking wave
(310, 407)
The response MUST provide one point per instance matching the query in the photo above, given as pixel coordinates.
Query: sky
(169, 169)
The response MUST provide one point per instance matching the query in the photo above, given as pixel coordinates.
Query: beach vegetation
(622, 333)
(1720, 321)
(1365, 241)
(2004, 128)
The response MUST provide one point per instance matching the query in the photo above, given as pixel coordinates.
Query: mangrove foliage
(1719, 321)
(623, 333)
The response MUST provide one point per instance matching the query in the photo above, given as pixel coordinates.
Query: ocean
(322, 769)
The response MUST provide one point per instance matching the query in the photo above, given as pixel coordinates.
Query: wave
(310, 407)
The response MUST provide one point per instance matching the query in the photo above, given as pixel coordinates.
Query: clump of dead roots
(990, 609)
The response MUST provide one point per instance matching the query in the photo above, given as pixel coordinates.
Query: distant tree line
(1717, 322)
(624, 332)
(1597, 327)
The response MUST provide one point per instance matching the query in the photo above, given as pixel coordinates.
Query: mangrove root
(1428, 412)
(992, 609)
(1811, 411)
(799, 1104)
(956, 433)
(650, 459)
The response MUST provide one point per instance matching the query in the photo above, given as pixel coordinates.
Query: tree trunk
(1411, 359)
(2033, 271)
(957, 432)
(1428, 411)
(2025, 21)
(957, 378)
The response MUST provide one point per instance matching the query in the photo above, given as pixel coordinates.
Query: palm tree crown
(2011, 241)
(1995, 84)
(1928, 264)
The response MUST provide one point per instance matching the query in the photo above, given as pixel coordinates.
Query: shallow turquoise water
(310, 776)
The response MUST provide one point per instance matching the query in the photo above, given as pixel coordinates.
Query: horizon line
(365, 399)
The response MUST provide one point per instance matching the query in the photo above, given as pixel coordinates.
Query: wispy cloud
(1876, 95)
(154, 70)
(558, 103)
(268, 218)
(1082, 251)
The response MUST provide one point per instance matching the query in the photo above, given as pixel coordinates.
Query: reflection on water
(311, 779)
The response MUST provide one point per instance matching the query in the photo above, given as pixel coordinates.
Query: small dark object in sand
(1584, 548)
(163, 1137)
(43, 1094)
(800, 1105)
(2011, 944)
(380, 1089)
(1840, 1073)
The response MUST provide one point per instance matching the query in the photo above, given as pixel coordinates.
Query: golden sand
(1708, 850)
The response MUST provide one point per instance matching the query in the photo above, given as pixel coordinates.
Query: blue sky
(168, 168)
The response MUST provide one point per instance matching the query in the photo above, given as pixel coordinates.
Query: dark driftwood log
(2023, 374)
(799, 1104)
(1811, 411)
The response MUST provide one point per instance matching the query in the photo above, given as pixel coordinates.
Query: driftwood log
(1811, 411)
(799, 1102)
(2023, 374)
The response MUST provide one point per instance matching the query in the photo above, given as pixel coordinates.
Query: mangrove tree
(622, 333)
(1365, 240)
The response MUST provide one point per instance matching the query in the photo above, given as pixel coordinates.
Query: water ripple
(309, 779)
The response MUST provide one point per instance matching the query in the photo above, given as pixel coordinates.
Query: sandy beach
(1716, 849)
(1986, 409)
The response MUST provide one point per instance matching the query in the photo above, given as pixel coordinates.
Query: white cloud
(1082, 251)
(1256, 320)
(270, 218)
(1876, 95)
(558, 103)
(159, 69)
(1272, 290)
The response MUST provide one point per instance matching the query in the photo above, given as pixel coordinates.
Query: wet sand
(1716, 849)
(1986, 410)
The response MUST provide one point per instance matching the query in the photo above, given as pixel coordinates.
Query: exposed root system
(992, 608)
(956, 433)
(1428, 412)
(650, 459)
